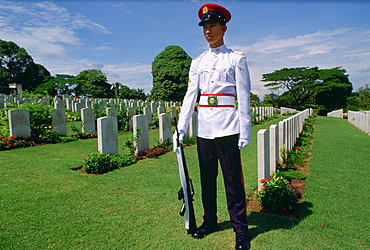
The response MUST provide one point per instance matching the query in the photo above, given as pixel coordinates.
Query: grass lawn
(46, 205)
(336, 207)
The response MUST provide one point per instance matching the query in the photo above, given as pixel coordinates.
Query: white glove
(243, 143)
(174, 140)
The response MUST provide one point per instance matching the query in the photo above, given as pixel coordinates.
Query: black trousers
(225, 150)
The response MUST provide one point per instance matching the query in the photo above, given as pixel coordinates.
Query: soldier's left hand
(243, 143)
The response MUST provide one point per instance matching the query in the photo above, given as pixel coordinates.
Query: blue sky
(122, 38)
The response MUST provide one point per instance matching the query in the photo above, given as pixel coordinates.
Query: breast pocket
(204, 76)
(227, 75)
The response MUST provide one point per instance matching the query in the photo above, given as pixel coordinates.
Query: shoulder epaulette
(239, 53)
(200, 55)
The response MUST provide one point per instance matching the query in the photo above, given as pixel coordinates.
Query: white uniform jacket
(218, 71)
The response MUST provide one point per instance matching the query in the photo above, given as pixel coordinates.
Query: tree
(170, 71)
(271, 100)
(17, 66)
(364, 97)
(334, 90)
(310, 86)
(125, 92)
(93, 82)
(60, 84)
(300, 82)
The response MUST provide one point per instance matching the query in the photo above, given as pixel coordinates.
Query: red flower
(297, 148)
(263, 180)
(284, 208)
(84, 159)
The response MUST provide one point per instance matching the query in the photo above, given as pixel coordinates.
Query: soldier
(221, 77)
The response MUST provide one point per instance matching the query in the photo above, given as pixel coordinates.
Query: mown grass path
(336, 209)
(45, 205)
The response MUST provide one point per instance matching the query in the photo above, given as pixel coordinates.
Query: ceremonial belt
(217, 101)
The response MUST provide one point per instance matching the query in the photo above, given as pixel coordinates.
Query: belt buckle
(212, 101)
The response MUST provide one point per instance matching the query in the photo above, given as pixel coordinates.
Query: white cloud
(347, 47)
(103, 48)
(44, 29)
(50, 35)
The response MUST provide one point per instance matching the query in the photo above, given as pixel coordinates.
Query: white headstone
(111, 111)
(164, 127)
(59, 104)
(108, 135)
(19, 123)
(131, 112)
(193, 125)
(160, 110)
(79, 106)
(148, 113)
(141, 132)
(58, 117)
(263, 156)
(88, 119)
(274, 147)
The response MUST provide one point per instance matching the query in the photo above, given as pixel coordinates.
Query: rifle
(186, 192)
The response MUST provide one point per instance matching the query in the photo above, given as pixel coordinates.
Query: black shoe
(204, 229)
(242, 242)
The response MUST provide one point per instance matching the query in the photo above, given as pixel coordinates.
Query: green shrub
(122, 160)
(155, 121)
(99, 163)
(72, 116)
(292, 157)
(40, 117)
(49, 135)
(277, 195)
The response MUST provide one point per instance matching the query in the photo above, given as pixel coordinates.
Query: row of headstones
(108, 132)
(360, 119)
(140, 130)
(263, 112)
(76, 104)
(285, 110)
(19, 120)
(271, 141)
(11, 101)
(336, 113)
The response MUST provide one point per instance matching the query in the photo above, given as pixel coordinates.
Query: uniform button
(213, 68)
(215, 56)
(211, 108)
(212, 81)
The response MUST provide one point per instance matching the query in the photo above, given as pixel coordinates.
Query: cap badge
(205, 10)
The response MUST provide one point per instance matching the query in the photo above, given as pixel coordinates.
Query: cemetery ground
(46, 205)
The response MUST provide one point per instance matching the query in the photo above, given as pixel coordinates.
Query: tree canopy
(93, 82)
(17, 66)
(170, 71)
(127, 93)
(364, 97)
(306, 86)
(60, 84)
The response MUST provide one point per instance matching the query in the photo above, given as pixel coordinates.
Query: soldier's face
(214, 33)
